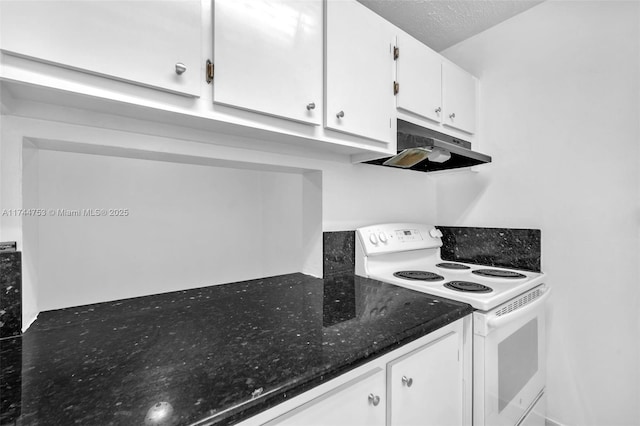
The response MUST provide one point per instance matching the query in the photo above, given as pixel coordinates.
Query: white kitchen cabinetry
(358, 71)
(359, 402)
(268, 57)
(426, 386)
(436, 390)
(151, 43)
(458, 98)
(419, 77)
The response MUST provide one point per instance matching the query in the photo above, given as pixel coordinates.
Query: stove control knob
(435, 233)
(373, 239)
(383, 237)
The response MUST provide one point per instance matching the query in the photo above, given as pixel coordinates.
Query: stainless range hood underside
(411, 136)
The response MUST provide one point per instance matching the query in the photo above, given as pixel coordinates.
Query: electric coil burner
(468, 286)
(418, 275)
(498, 273)
(450, 265)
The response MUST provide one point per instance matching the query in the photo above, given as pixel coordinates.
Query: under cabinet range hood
(427, 150)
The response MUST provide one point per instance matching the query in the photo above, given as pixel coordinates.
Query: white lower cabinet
(359, 402)
(426, 382)
(425, 387)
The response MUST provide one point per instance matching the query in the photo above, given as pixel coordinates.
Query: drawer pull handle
(340, 114)
(180, 68)
(311, 106)
(407, 381)
(374, 399)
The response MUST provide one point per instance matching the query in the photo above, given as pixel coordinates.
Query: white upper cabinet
(358, 71)
(419, 78)
(426, 386)
(458, 98)
(151, 43)
(268, 57)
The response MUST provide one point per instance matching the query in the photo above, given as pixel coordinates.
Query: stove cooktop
(408, 255)
(482, 291)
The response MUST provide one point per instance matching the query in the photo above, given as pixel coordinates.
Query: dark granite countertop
(221, 353)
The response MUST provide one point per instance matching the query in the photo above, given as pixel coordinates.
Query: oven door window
(517, 362)
(514, 368)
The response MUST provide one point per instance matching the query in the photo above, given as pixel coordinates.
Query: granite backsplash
(500, 247)
(339, 252)
(10, 293)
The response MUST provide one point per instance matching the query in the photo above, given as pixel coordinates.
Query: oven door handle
(498, 321)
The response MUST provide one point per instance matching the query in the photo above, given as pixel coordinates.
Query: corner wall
(560, 114)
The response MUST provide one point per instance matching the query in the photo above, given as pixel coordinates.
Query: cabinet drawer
(360, 401)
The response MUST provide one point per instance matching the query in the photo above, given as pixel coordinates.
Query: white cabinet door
(426, 385)
(458, 98)
(152, 43)
(360, 402)
(359, 71)
(268, 57)
(419, 75)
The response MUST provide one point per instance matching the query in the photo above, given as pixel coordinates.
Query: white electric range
(508, 324)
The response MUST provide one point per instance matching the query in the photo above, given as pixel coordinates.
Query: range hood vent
(427, 150)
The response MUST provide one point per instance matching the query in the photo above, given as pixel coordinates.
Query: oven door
(509, 360)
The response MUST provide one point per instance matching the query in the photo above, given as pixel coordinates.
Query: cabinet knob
(311, 106)
(340, 114)
(438, 110)
(452, 115)
(407, 381)
(180, 68)
(374, 399)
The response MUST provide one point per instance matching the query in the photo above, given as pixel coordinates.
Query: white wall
(363, 194)
(188, 226)
(30, 165)
(560, 113)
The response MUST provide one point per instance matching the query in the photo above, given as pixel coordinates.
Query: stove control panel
(408, 235)
(397, 237)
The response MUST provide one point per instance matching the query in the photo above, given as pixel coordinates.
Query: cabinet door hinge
(209, 71)
(396, 87)
(396, 53)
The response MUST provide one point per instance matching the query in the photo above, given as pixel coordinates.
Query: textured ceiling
(442, 23)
